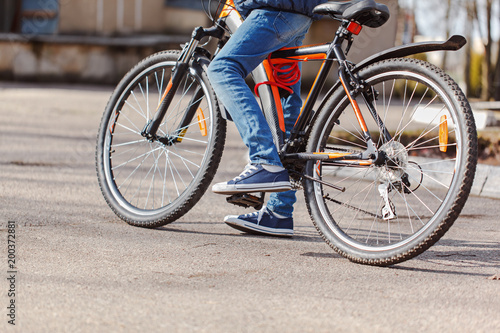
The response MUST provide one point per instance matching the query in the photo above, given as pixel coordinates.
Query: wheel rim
(147, 178)
(356, 217)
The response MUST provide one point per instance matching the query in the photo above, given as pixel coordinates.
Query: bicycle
(380, 190)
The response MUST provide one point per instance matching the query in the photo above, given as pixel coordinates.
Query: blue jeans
(263, 31)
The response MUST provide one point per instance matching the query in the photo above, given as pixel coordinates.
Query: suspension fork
(178, 73)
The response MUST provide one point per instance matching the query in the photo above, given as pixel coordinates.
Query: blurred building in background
(98, 41)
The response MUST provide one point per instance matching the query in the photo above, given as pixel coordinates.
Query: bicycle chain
(327, 197)
(344, 150)
(296, 184)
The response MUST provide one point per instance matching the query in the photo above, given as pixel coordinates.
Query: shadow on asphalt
(439, 271)
(467, 255)
(330, 255)
(301, 233)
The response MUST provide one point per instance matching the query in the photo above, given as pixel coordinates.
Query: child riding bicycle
(268, 26)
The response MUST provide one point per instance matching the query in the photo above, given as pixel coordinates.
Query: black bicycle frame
(352, 86)
(331, 53)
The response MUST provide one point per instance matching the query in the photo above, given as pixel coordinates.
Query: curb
(487, 181)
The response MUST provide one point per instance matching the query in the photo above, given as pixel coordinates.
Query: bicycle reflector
(354, 28)
(202, 122)
(443, 134)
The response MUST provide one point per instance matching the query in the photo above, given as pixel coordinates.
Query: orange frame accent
(227, 9)
(167, 89)
(304, 58)
(333, 155)
(355, 106)
(309, 94)
(340, 155)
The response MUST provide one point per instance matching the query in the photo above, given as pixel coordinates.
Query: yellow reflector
(181, 135)
(443, 134)
(201, 122)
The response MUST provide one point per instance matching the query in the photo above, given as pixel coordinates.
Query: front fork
(178, 73)
(151, 129)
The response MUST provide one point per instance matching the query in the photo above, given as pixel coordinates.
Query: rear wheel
(393, 212)
(150, 183)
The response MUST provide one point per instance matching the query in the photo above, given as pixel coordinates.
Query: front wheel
(152, 182)
(395, 211)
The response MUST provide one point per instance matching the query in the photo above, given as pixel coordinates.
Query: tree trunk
(496, 75)
(487, 92)
(468, 49)
(447, 23)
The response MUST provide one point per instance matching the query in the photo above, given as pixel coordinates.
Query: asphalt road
(80, 269)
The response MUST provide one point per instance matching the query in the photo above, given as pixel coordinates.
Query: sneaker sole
(233, 189)
(257, 229)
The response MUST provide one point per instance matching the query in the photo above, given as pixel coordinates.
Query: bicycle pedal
(247, 200)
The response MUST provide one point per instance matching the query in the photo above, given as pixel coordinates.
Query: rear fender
(455, 43)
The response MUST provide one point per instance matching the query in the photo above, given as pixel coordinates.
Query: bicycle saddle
(364, 12)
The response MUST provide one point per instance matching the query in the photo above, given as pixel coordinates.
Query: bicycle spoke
(165, 189)
(127, 143)
(138, 112)
(122, 114)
